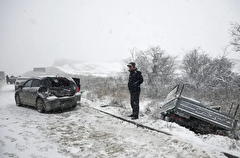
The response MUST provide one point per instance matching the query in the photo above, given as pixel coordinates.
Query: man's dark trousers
(135, 103)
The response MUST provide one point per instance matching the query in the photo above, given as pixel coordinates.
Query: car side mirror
(20, 86)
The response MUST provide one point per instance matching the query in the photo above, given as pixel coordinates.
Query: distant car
(48, 93)
(19, 81)
(12, 79)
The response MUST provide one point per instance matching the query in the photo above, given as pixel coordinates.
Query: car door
(24, 93)
(33, 91)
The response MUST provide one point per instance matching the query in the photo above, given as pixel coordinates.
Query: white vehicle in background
(20, 81)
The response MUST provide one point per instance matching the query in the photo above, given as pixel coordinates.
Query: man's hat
(131, 64)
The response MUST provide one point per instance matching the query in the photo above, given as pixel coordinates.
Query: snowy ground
(85, 132)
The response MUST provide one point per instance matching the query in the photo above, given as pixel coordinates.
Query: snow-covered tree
(197, 68)
(224, 81)
(212, 78)
(157, 68)
(235, 33)
(222, 71)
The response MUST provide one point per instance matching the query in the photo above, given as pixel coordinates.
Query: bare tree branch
(235, 33)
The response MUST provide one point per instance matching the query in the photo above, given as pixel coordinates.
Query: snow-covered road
(83, 132)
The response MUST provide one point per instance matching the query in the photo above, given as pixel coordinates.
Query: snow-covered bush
(212, 79)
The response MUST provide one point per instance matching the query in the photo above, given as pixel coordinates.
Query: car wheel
(74, 106)
(40, 105)
(18, 100)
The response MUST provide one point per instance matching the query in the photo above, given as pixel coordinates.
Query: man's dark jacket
(135, 80)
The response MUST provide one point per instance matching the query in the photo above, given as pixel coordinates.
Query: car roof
(50, 76)
(21, 77)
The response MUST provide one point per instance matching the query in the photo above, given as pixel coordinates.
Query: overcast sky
(33, 33)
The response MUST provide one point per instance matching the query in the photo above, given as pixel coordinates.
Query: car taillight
(77, 89)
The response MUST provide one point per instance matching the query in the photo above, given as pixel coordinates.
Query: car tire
(40, 105)
(18, 100)
(74, 106)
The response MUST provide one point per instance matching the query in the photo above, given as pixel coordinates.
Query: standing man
(7, 79)
(134, 82)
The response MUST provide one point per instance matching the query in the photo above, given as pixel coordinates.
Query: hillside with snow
(101, 69)
(113, 68)
(75, 68)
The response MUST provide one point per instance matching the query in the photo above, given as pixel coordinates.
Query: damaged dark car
(48, 93)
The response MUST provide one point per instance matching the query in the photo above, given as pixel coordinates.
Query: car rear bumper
(56, 103)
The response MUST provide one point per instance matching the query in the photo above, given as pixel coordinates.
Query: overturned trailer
(195, 116)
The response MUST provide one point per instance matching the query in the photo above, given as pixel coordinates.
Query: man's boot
(131, 115)
(134, 117)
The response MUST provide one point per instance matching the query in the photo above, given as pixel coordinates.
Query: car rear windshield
(57, 82)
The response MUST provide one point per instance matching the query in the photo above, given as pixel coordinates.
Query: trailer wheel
(162, 116)
(167, 118)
